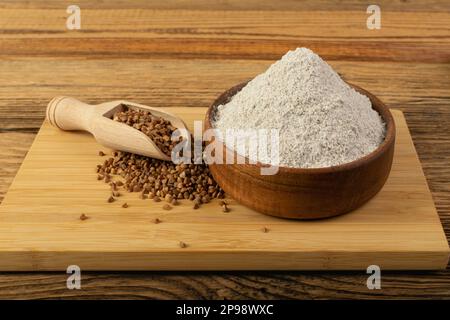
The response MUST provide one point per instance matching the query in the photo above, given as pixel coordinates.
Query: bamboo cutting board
(40, 226)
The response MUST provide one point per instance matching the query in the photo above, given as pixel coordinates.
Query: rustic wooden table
(176, 53)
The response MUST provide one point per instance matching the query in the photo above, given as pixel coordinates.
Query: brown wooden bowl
(307, 193)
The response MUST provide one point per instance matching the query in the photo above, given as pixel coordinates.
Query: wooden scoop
(68, 113)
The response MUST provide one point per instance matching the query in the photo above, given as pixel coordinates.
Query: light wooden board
(40, 227)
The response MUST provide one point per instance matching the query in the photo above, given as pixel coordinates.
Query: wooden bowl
(307, 193)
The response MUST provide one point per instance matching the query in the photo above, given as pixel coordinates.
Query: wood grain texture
(421, 90)
(46, 233)
(218, 34)
(418, 89)
(225, 285)
(14, 147)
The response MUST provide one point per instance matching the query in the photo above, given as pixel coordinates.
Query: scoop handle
(68, 113)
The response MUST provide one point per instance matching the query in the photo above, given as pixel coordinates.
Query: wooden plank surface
(231, 5)
(216, 34)
(407, 63)
(45, 232)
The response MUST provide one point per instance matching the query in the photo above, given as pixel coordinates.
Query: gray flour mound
(322, 121)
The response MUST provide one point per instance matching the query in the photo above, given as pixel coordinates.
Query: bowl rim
(377, 105)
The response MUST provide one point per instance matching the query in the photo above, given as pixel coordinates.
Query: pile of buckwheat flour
(322, 121)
